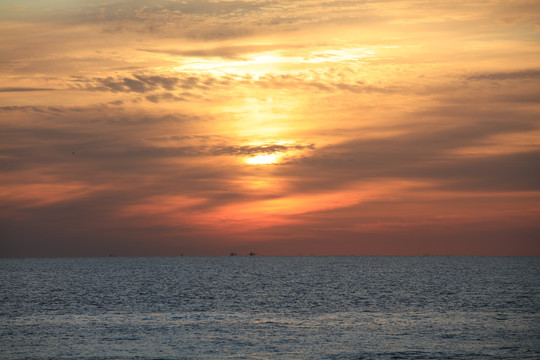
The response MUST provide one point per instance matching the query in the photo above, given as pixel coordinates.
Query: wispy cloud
(236, 52)
(529, 74)
(24, 89)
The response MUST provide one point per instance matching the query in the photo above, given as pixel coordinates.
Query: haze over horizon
(167, 127)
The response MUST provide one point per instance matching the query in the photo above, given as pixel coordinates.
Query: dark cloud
(139, 84)
(100, 133)
(501, 172)
(215, 150)
(134, 85)
(230, 52)
(424, 154)
(143, 84)
(250, 150)
(31, 108)
(192, 85)
(109, 117)
(24, 89)
(113, 153)
(166, 96)
(109, 141)
(95, 228)
(512, 75)
(167, 83)
(124, 142)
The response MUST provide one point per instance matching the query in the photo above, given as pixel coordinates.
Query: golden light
(256, 64)
(272, 62)
(263, 159)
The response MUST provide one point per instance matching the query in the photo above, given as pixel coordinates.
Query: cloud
(421, 153)
(139, 84)
(501, 172)
(166, 96)
(143, 84)
(227, 52)
(53, 110)
(113, 139)
(251, 150)
(24, 89)
(193, 84)
(202, 20)
(529, 74)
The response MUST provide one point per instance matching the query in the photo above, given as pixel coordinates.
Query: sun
(263, 159)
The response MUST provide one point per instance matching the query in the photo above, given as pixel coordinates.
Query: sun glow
(263, 159)
(271, 62)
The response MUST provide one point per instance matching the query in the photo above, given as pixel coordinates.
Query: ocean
(258, 307)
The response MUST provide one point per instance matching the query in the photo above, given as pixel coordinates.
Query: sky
(306, 127)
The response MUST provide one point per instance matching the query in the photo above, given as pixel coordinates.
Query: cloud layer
(205, 127)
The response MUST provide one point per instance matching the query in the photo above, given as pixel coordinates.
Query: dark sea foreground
(270, 308)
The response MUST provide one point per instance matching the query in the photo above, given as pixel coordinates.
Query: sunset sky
(314, 127)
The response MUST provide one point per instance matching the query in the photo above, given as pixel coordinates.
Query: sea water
(270, 308)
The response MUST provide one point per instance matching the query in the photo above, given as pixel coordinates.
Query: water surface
(270, 308)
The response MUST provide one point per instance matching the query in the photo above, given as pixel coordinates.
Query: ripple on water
(270, 307)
